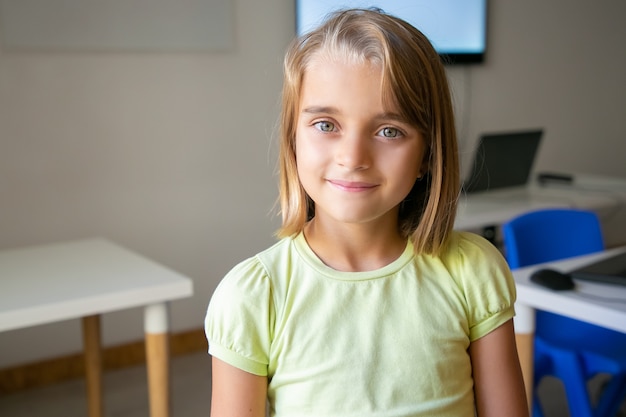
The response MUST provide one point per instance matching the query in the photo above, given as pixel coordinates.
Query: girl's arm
(498, 382)
(236, 393)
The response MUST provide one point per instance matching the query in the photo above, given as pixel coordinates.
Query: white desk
(492, 208)
(604, 195)
(582, 304)
(86, 278)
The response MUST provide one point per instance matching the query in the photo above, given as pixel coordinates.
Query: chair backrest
(551, 234)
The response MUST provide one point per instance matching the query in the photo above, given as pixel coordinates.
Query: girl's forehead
(339, 75)
(332, 80)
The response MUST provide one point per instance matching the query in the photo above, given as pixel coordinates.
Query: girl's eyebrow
(391, 116)
(332, 110)
(320, 109)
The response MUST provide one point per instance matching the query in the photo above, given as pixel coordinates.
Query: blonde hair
(414, 81)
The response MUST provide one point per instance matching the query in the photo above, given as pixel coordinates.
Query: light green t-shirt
(390, 342)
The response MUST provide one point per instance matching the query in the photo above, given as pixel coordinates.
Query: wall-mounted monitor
(457, 28)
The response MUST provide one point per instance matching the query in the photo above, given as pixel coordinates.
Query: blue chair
(571, 350)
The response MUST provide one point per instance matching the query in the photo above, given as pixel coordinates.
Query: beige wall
(559, 65)
(171, 154)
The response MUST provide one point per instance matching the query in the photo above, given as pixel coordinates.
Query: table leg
(156, 323)
(93, 364)
(524, 337)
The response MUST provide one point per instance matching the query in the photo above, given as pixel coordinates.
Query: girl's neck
(354, 247)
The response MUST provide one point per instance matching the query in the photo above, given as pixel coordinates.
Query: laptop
(611, 270)
(503, 160)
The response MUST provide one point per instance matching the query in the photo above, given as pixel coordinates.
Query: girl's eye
(325, 126)
(390, 132)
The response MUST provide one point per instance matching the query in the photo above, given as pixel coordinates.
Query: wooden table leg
(93, 364)
(524, 338)
(157, 356)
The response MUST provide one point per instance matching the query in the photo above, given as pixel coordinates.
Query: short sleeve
(239, 318)
(487, 283)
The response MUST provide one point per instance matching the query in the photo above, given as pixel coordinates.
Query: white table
(86, 278)
(590, 302)
(493, 208)
(490, 209)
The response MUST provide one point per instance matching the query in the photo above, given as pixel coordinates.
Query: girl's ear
(423, 169)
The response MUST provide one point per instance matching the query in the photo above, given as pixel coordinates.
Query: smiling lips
(352, 186)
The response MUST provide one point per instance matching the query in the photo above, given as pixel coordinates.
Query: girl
(369, 305)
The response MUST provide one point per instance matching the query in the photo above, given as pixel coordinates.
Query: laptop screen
(503, 160)
(611, 270)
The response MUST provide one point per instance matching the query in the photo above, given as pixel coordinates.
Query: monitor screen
(457, 28)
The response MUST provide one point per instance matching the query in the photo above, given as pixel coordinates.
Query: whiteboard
(117, 25)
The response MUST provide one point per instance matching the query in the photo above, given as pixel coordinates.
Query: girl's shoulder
(481, 273)
(467, 249)
(477, 266)
(255, 273)
(473, 260)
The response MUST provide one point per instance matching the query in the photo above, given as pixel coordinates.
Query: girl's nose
(353, 152)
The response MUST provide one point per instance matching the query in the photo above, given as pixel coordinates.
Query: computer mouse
(555, 280)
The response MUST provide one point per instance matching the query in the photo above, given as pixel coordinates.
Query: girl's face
(356, 159)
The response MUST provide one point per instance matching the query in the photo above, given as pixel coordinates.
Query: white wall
(559, 65)
(167, 154)
(171, 154)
